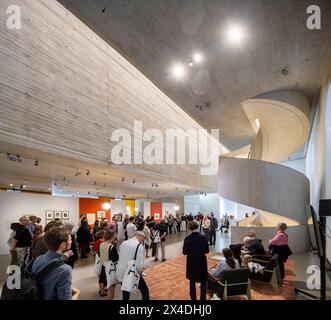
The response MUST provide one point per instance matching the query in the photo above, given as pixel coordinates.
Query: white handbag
(110, 270)
(131, 276)
(157, 238)
(97, 265)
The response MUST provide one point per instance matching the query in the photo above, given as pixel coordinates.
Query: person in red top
(99, 239)
(279, 244)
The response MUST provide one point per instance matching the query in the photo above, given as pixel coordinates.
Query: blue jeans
(193, 292)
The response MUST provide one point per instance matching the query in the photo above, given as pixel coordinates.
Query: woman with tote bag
(108, 259)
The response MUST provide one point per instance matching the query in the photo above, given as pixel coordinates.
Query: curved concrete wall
(266, 186)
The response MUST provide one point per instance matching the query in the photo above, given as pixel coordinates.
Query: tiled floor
(87, 282)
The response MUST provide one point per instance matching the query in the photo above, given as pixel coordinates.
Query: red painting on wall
(156, 211)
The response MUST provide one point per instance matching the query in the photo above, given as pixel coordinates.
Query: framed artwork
(119, 216)
(156, 216)
(49, 215)
(57, 215)
(90, 218)
(65, 215)
(101, 214)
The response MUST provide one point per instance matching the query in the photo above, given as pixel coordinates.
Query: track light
(77, 173)
(95, 183)
(134, 181)
(88, 172)
(123, 179)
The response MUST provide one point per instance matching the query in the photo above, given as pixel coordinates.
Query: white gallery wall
(299, 165)
(210, 203)
(191, 204)
(13, 205)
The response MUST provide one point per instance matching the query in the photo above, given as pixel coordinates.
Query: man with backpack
(56, 284)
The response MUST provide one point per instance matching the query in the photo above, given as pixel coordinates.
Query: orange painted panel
(87, 205)
(156, 207)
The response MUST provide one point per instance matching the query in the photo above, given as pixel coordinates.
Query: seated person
(225, 224)
(215, 273)
(252, 246)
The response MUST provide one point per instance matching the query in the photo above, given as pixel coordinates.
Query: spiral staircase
(253, 176)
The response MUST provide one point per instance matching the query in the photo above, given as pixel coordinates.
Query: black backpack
(30, 283)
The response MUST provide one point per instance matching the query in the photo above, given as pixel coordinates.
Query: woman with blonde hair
(206, 226)
(108, 252)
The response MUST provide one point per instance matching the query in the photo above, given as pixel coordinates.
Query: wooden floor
(167, 281)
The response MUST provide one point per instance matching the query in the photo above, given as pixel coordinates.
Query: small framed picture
(65, 215)
(101, 214)
(118, 216)
(57, 215)
(49, 215)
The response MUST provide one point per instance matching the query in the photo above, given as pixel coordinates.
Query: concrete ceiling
(154, 35)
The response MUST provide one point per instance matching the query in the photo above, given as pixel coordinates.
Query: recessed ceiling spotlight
(24, 186)
(178, 71)
(235, 34)
(11, 184)
(197, 58)
(191, 64)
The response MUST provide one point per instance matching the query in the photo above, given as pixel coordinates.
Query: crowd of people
(121, 245)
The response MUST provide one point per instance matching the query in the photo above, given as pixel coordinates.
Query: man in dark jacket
(213, 227)
(196, 247)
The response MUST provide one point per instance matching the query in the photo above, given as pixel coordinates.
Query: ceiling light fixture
(285, 71)
(176, 208)
(134, 181)
(178, 71)
(88, 172)
(235, 34)
(123, 179)
(36, 163)
(106, 206)
(197, 58)
(11, 184)
(191, 64)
